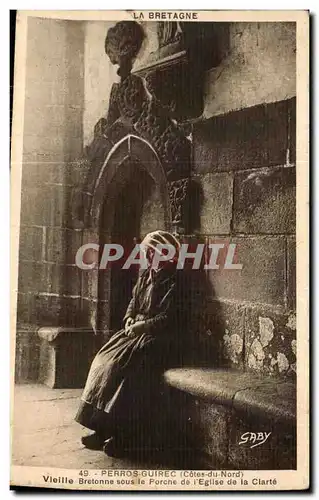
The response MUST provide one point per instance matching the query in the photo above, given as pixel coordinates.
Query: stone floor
(44, 432)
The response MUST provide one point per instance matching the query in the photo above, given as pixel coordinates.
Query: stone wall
(48, 288)
(244, 162)
(259, 67)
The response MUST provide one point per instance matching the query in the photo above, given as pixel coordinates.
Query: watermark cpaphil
(207, 256)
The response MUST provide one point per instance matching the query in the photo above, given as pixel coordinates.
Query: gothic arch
(105, 189)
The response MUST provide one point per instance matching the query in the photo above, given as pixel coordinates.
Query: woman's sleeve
(131, 310)
(162, 320)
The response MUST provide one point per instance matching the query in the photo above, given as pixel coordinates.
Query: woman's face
(149, 255)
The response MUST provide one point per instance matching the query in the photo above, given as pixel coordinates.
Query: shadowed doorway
(138, 209)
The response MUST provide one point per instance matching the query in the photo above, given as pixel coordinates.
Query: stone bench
(222, 415)
(221, 408)
(65, 356)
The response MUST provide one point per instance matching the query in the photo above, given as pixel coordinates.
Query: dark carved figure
(134, 108)
(168, 32)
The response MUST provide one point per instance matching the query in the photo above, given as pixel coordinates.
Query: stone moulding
(136, 111)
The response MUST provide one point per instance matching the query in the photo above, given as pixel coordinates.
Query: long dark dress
(124, 373)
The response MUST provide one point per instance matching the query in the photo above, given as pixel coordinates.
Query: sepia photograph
(160, 183)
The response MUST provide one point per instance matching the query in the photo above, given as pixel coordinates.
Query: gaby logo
(211, 256)
(255, 438)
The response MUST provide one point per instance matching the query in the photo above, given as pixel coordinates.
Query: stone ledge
(225, 414)
(52, 333)
(65, 356)
(272, 398)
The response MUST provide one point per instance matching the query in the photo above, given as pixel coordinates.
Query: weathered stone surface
(25, 307)
(44, 420)
(292, 130)
(27, 353)
(62, 245)
(291, 273)
(277, 452)
(43, 206)
(65, 356)
(31, 276)
(273, 400)
(72, 280)
(52, 310)
(225, 404)
(227, 323)
(241, 80)
(270, 342)
(49, 278)
(210, 384)
(37, 148)
(265, 201)
(72, 174)
(262, 277)
(90, 283)
(31, 243)
(210, 424)
(216, 209)
(47, 127)
(250, 138)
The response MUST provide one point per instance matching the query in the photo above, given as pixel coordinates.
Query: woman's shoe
(113, 448)
(93, 441)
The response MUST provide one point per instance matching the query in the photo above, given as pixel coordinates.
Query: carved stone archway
(137, 149)
(110, 180)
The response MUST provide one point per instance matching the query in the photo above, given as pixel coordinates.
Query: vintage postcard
(159, 228)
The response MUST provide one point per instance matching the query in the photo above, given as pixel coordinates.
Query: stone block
(73, 312)
(249, 138)
(277, 453)
(48, 309)
(210, 426)
(39, 173)
(59, 92)
(25, 307)
(27, 353)
(216, 208)
(291, 273)
(44, 120)
(62, 245)
(73, 148)
(65, 356)
(274, 400)
(41, 93)
(31, 276)
(227, 324)
(43, 206)
(75, 96)
(73, 122)
(90, 281)
(57, 279)
(292, 130)
(270, 341)
(53, 310)
(71, 277)
(39, 148)
(262, 277)
(31, 243)
(69, 174)
(265, 201)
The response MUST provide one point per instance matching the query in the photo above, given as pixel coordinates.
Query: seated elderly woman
(121, 385)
